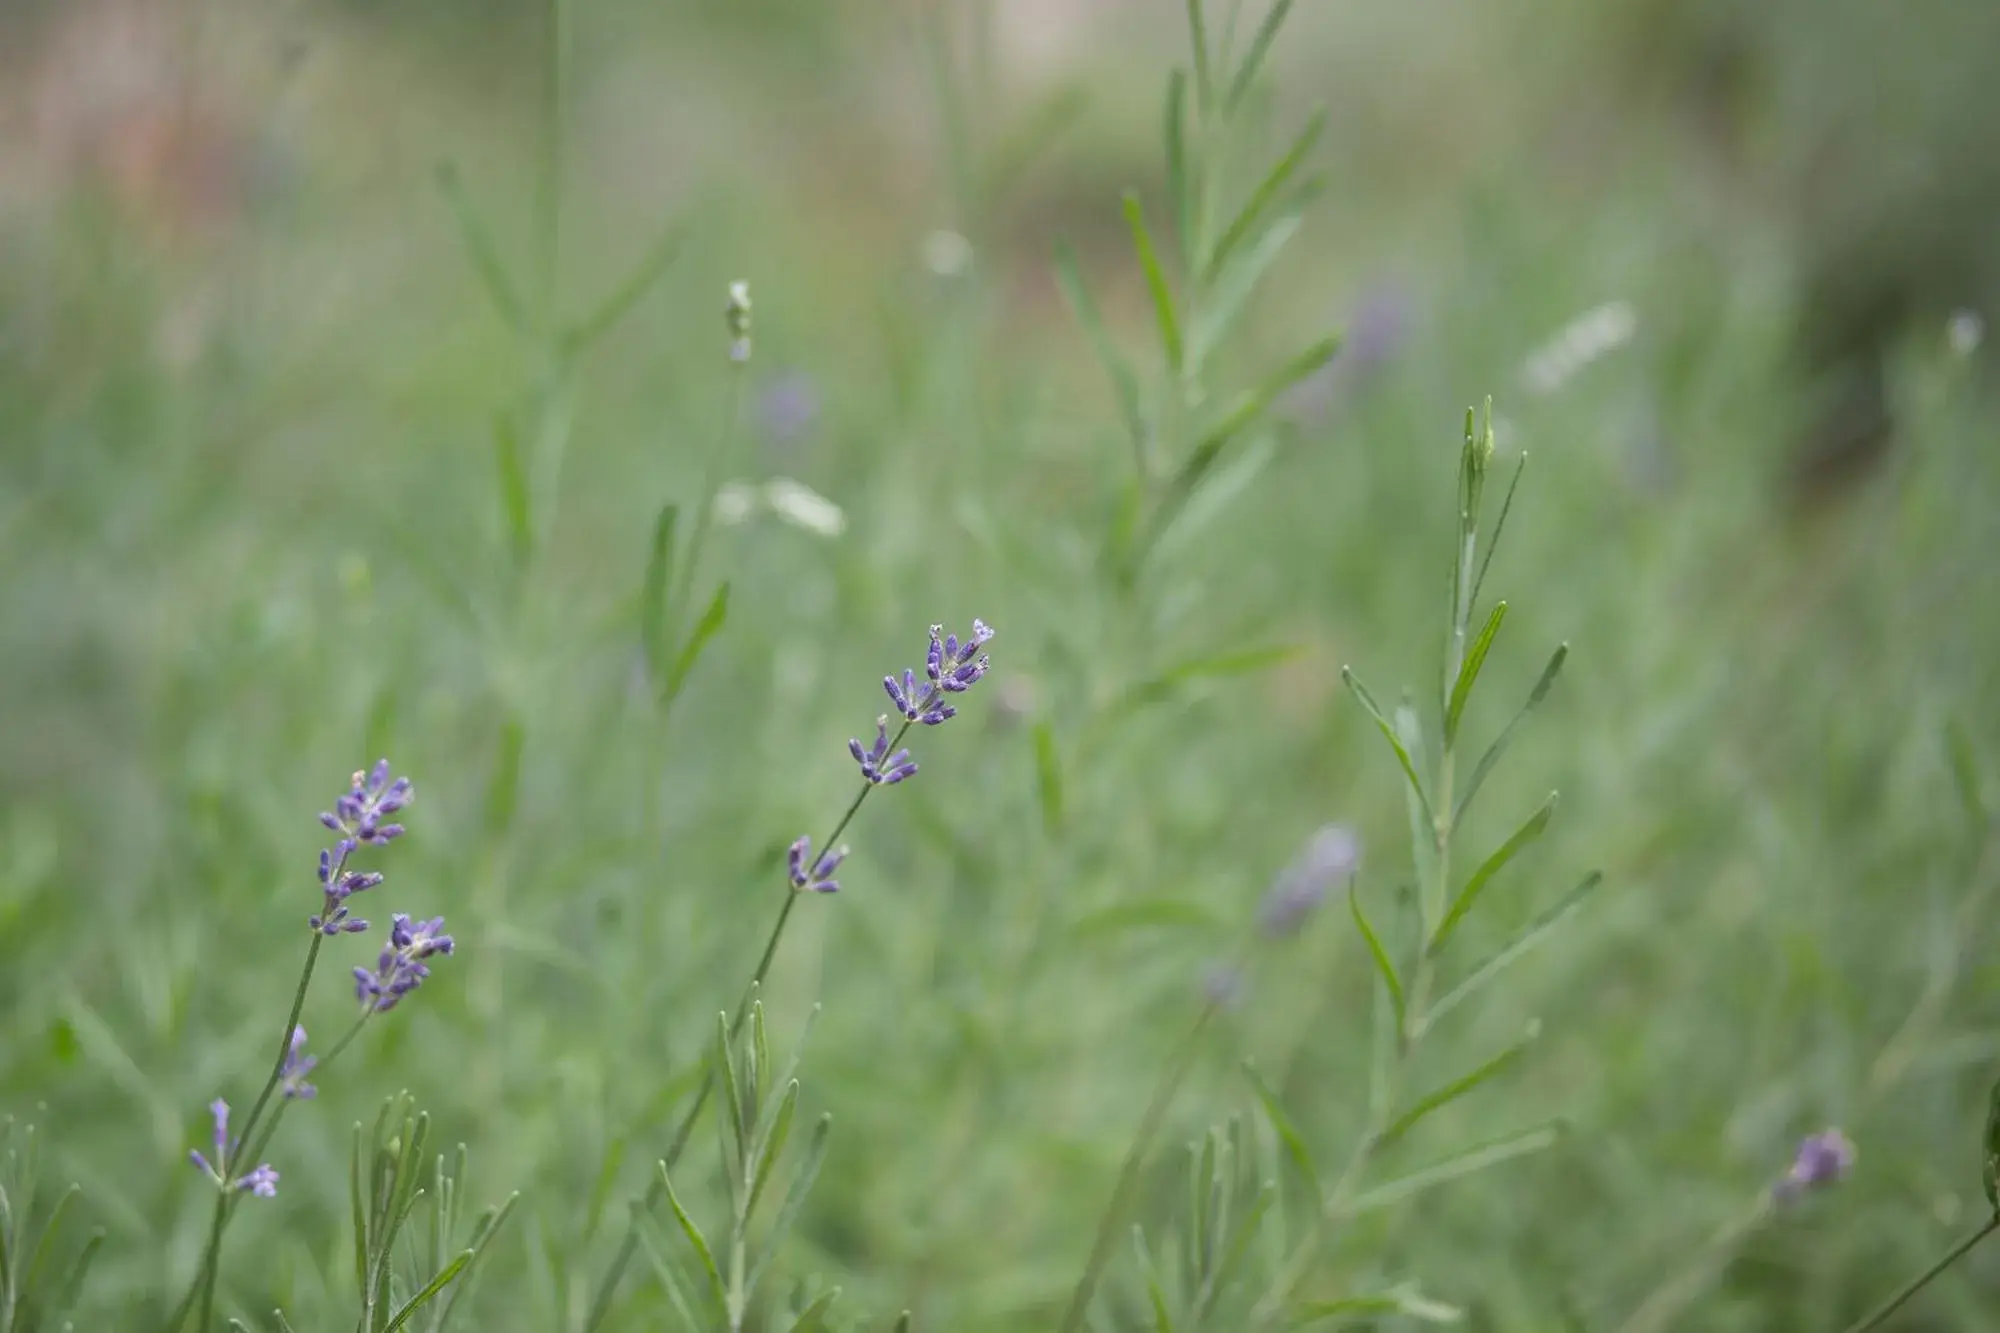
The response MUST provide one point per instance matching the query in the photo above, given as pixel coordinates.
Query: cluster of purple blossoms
(401, 968)
(818, 876)
(878, 766)
(361, 818)
(262, 1182)
(1822, 1159)
(950, 668)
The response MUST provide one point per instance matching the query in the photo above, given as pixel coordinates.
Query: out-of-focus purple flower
(877, 764)
(292, 1075)
(816, 877)
(950, 667)
(788, 407)
(1332, 855)
(1223, 985)
(1822, 1159)
(361, 818)
(401, 967)
(263, 1181)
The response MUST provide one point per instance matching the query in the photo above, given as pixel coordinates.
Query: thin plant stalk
(1109, 1225)
(1924, 1279)
(628, 1248)
(1433, 900)
(201, 1294)
(1672, 1297)
(711, 487)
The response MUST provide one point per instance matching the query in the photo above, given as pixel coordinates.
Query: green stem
(1135, 1159)
(628, 1248)
(678, 605)
(1659, 1309)
(1917, 1284)
(201, 1295)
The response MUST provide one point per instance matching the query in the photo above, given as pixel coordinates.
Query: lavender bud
(1331, 856)
(263, 1182)
(292, 1075)
(1822, 1159)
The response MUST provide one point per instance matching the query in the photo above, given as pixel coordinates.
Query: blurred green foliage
(252, 537)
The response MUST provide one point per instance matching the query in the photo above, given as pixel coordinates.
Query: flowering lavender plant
(362, 817)
(952, 666)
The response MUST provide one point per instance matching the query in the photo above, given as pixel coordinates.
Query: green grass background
(251, 538)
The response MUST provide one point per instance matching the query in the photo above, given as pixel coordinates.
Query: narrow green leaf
(1179, 196)
(1346, 1309)
(79, 1272)
(621, 300)
(1242, 662)
(1499, 527)
(773, 1146)
(1537, 931)
(700, 1242)
(1288, 1133)
(483, 1232)
(1204, 83)
(1457, 1088)
(670, 1280)
(355, 1190)
(1156, 281)
(1252, 403)
(1361, 693)
(706, 628)
(795, 1199)
(813, 1317)
(790, 1074)
(1965, 773)
(1266, 193)
(1990, 1175)
(1468, 671)
(1028, 137)
(760, 1050)
(1146, 914)
(1499, 746)
(653, 593)
(1219, 490)
(480, 250)
(607, 1180)
(1048, 777)
(284, 1324)
(430, 1291)
(732, 1092)
(902, 1323)
(1149, 1273)
(1385, 968)
(1529, 831)
(1260, 46)
(1454, 1166)
(1069, 278)
(238, 1325)
(31, 1280)
(1239, 1248)
(1225, 303)
(515, 506)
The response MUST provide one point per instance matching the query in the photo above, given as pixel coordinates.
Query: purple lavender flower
(788, 407)
(292, 1075)
(951, 667)
(877, 764)
(358, 816)
(262, 1182)
(401, 967)
(1331, 856)
(1822, 1159)
(818, 876)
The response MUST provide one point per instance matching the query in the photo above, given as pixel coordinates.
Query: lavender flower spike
(1823, 1159)
(292, 1075)
(877, 764)
(950, 667)
(360, 818)
(818, 876)
(1333, 855)
(401, 967)
(262, 1182)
